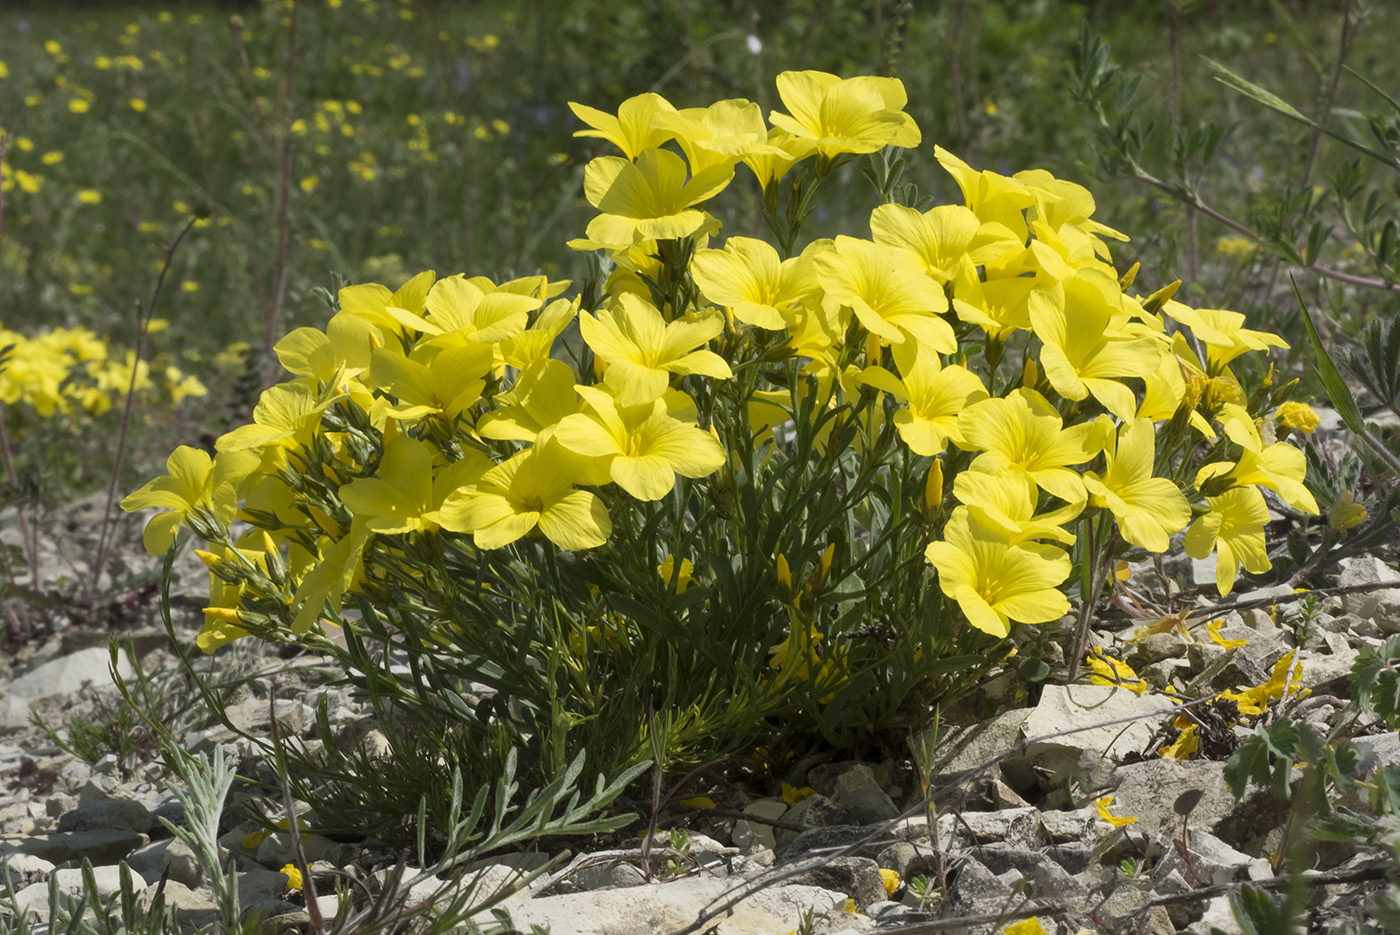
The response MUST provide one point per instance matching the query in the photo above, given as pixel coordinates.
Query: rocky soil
(1015, 828)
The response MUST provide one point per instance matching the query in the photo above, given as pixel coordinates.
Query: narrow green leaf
(1248, 88)
(1332, 381)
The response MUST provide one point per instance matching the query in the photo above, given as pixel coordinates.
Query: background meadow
(432, 135)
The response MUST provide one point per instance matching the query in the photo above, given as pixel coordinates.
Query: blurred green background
(413, 134)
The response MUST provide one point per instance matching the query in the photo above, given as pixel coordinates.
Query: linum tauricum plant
(731, 494)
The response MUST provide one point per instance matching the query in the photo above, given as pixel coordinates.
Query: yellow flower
(887, 290)
(533, 489)
(634, 129)
(653, 198)
(792, 794)
(668, 568)
(1234, 529)
(89, 196)
(309, 183)
(995, 582)
(1032, 925)
(1148, 509)
(79, 106)
(189, 285)
(643, 446)
(294, 881)
(1023, 430)
(642, 349)
(852, 115)
(51, 158)
(1102, 805)
(1298, 416)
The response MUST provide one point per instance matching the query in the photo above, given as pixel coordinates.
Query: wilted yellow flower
(1110, 671)
(294, 881)
(1299, 416)
(1213, 629)
(1102, 805)
(1345, 512)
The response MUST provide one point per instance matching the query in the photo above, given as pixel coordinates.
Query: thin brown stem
(284, 198)
(1196, 202)
(142, 323)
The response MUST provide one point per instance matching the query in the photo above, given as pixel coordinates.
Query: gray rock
(1074, 859)
(1149, 791)
(968, 748)
(858, 877)
(813, 812)
(108, 880)
(190, 907)
(608, 876)
(1218, 916)
(1250, 664)
(100, 847)
(822, 840)
(669, 906)
(170, 856)
(1069, 827)
(1201, 655)
(26, 869)
(1050, 881)
(754, 834)
(62, 676)
(108, 815)
(975, 890)
(858, 792)
(261, 889)
(1071, 718)
(1154, 648)
(1013, 828)
(1380, 604)
(1211, 859)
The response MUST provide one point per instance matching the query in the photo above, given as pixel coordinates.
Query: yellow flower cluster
(446, 406)
(66, 371)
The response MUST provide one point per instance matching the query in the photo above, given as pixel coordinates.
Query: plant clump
(735, 490)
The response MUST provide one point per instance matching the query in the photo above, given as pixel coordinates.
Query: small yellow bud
(825, 567)
(784, 578)
(1129, 276)
(872, 350)
(268, 544)
(375, 341)
(933, 485)
(1030, 374)
(210, 560)
(224, 614)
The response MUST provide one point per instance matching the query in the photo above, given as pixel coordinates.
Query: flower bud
(933, 485)
(1030, 374)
